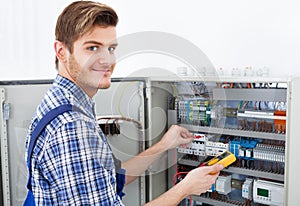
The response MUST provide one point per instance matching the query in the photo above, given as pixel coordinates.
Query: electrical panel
(248, 117)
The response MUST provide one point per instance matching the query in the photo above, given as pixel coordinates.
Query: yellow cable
(121, 96)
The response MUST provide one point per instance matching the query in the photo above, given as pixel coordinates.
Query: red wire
(191, 200)
(177, 174)
(180, 173)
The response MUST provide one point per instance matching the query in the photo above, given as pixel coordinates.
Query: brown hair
(78, 18)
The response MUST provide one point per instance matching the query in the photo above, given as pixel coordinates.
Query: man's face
(93, 60)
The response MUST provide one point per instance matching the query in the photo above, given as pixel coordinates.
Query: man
(72, 163)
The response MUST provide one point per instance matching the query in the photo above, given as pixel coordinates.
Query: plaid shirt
(71, 163)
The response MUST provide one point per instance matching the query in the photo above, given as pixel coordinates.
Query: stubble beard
(75, 71)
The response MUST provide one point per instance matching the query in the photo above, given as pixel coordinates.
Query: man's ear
(60, 51)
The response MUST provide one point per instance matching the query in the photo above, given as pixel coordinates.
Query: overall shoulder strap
(40, 127)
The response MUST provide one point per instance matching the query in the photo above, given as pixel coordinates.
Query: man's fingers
(215, 168)
(186, 134)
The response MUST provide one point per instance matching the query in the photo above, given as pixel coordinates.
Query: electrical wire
(138, 123)
(121, 96)
(175, 90)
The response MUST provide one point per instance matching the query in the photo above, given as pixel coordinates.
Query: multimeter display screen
(262, 192)
(222, 156)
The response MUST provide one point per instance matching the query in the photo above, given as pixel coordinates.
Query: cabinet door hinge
(6, 111)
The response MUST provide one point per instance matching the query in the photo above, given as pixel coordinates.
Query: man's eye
(93, 48)
(111, 49)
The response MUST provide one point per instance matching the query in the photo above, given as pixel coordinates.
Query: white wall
(232, 33)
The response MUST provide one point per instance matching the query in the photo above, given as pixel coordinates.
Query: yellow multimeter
(226, 158)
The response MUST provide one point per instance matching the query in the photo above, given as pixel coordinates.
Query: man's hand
(176, 136)
(199, 180)
(196, 182)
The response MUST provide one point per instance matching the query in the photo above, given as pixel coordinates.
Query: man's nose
(106, 57)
